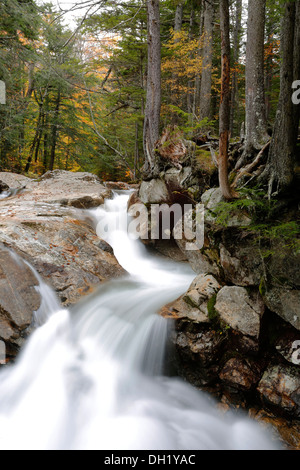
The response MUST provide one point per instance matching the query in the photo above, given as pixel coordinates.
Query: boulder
(180, 310)
(202, 289)
(190, 238)
(287, 430)
(154, 192)
(284, 267)
(180, 178)
(19, 298)
(60, 244)
(288, 346)
(240, 310)
(202, 347)
(14, 180)
(193, 306)
(118, 186)
(199, 260)
(81, 190)
(285, 302)
(242, 264)
(211, 200)
(280, 387)
(134, 199)
(83, 202)
(169, 249)
(240, 373)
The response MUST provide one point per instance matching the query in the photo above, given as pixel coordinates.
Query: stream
(92, 376)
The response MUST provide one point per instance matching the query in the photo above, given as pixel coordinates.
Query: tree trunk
(177, 28)
(236, 56)
(297, 64)
(268, 78)
(178, 17)
(136, 151)
(153, 103)
(54, 131)
(46, 137)
(207, 54)
(196, 109)
(36, 139)
(224, 115)
(191, 83)
(30, 80)
(256, 124)
(280, 165)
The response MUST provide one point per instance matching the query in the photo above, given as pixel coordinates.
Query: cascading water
(91, 377)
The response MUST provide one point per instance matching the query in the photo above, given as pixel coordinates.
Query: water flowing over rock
(92, 376)
(59, 241)
(19, 299)
(193, 305)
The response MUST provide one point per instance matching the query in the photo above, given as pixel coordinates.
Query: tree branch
(103, 138)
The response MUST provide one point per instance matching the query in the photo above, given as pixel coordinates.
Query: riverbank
(46, 223)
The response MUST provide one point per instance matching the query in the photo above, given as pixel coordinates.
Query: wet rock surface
(254, 310)
(153, 192)
(82, 190)
(240, 373)
(3, 187)
(285, 302)
(57, 239)
(280, 388)
(19, 299)
(194, 305)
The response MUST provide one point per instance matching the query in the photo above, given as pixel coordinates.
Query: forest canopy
(78, 92)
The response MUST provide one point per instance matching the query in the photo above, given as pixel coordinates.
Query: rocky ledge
(237, 328)
(46, 223)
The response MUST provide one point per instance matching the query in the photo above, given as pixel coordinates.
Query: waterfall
(91, 377)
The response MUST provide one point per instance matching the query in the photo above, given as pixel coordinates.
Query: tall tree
(236, 56)
(281, 160)
(207, 53)
(224, 116)
(153, 103)
(256, 124)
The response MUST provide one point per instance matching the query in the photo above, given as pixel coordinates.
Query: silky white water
(91, 377)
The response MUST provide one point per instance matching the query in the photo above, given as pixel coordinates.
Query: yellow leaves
(183, 61)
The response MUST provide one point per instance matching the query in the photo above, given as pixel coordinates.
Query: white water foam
(91, 377)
